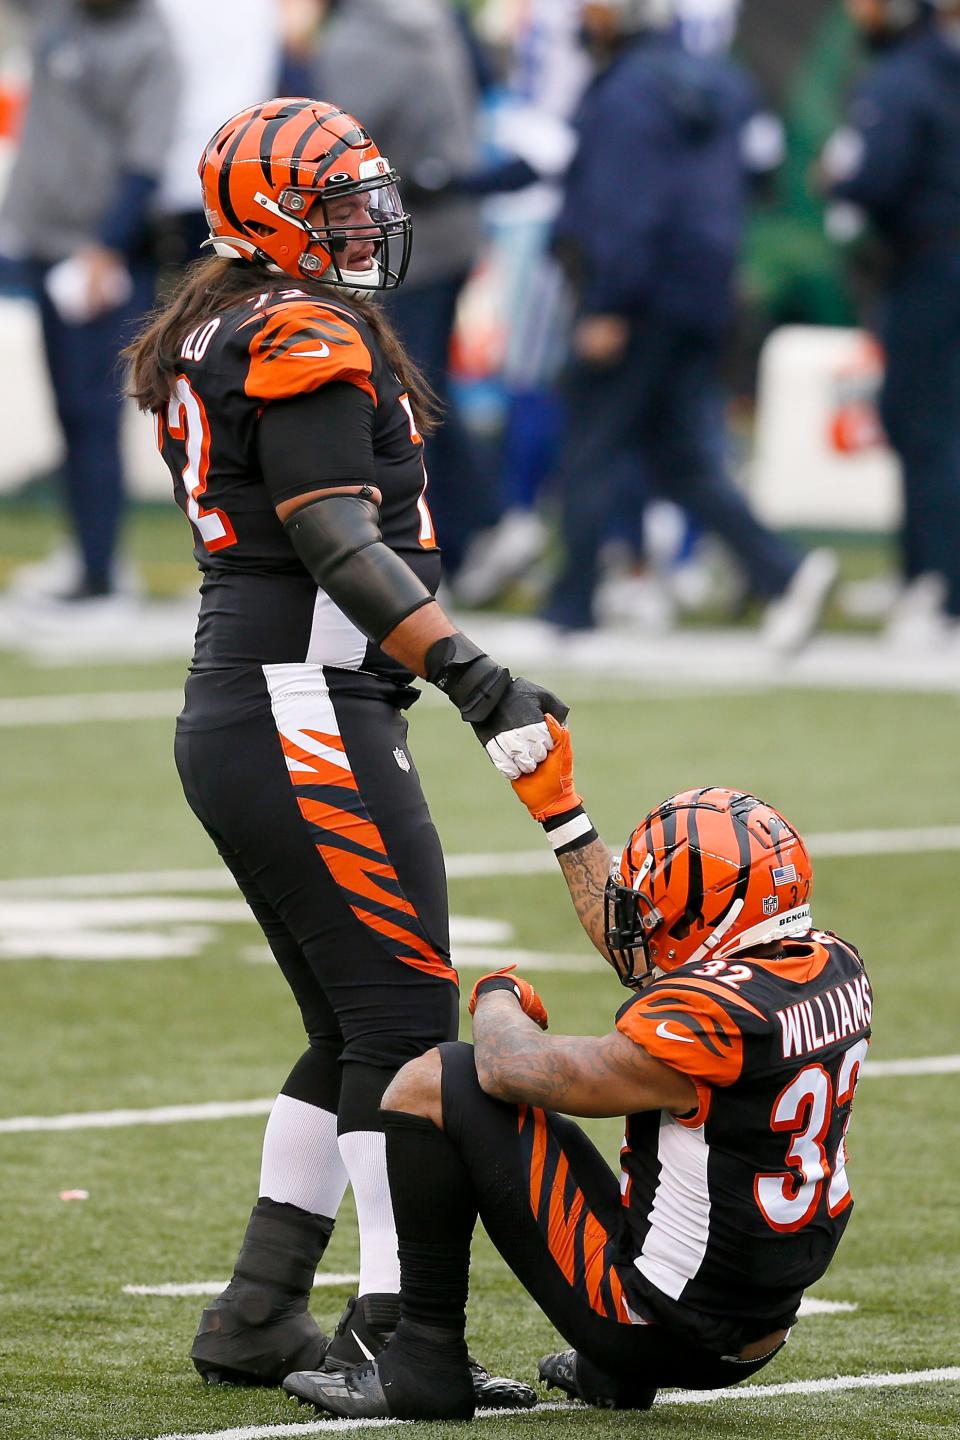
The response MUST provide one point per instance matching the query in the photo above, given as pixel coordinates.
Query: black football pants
(316, 807)
(551, 1205)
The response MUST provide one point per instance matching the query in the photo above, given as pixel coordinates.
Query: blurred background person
(650, 232)
(707, 26)
(407, 68)
(652, 555)
(897, 161)
(224, 66)
(76, 216)
(546, 73)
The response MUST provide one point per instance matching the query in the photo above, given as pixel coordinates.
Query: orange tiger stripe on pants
(577, 1240)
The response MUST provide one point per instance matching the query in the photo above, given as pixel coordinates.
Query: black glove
(506, 713)
(522, 703)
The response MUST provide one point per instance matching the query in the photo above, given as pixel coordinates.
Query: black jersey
(735, 1209)
(259, 604)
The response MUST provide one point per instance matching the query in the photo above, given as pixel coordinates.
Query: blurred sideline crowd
(614, 202)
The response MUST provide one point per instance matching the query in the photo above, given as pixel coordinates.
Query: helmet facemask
(631, 917)
(343, 214)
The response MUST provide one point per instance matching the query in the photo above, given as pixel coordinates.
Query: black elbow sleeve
(338, 539)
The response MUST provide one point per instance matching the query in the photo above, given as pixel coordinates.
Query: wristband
(473, 681)
(569, 831)
(498, 982)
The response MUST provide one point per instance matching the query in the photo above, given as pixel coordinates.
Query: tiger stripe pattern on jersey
(300, 345)
(345, 836)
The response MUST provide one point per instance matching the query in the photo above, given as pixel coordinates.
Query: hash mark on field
(745, 1392)
(810, 1305)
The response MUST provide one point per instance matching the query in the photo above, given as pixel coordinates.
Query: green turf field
(80, 1359)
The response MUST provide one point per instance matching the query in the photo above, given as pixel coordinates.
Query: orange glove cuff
(522, 990)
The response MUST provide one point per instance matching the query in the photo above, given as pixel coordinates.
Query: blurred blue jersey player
(650, 229)
(898, 160)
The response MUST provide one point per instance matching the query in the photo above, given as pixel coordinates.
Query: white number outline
(804, 1109)
(733, 975)
(838, 1191)
(427, 535)
(187, 422)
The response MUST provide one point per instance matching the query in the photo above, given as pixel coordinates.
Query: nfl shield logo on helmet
(770, 904)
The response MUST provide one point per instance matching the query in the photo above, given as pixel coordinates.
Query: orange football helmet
(298, 184)
(707, 874)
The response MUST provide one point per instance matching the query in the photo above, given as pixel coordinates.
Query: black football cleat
(367, 1324)
(579, 1378)
(499, 1392)
(362, 1331)
(373, 1391)
(246, 1338)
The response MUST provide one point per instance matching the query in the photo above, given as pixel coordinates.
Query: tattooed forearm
(586, 871)
(575, 1074)
(512, 1054)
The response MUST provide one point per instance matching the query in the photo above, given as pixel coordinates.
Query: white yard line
(233, 1109)
(884, 842)
(929, 1065)
(30, 710)
(174, 1290)
(467, 867)
(748, 1393)
(115, 1119)
(171, 1291)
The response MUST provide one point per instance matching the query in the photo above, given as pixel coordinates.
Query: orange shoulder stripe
(301, 345)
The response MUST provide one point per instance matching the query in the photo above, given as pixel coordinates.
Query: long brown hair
(210, 286)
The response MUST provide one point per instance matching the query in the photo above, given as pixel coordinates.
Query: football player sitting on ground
(735, 1062)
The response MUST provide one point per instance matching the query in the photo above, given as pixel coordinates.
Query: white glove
(519, 752)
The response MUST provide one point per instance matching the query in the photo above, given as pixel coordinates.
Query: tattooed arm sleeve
(586, 872)
(575, 1074)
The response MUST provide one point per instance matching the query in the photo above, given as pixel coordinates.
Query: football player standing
(735, 1062)
(292, 422)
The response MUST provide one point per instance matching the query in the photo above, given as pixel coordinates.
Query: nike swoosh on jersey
(320, 354)
(665, 1033)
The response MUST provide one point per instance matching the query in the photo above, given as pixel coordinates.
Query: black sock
(435, 1209)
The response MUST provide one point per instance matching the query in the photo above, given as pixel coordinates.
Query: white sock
(365, 1156)
(301, 1162)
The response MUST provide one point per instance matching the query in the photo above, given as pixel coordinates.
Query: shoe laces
(358, 1373)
